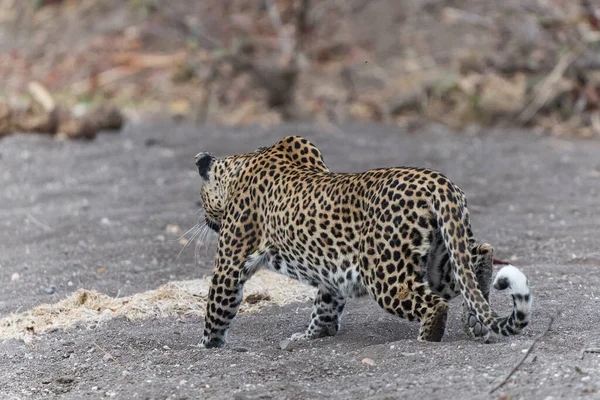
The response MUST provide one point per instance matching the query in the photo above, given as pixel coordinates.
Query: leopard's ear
(204, 161)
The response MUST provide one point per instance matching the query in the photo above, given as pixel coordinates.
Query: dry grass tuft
(178, 298)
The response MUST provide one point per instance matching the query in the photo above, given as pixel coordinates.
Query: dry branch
(520, 362)
(102, 79)
(41, 95)
(545, 89)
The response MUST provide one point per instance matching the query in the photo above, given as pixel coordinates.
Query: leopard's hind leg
(401, 292)
(326, 315)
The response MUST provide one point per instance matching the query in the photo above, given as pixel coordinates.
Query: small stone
(15, 277)
(533, 360)
(125, 373)
(151, 142)
(257, 298)
(368, 361)
(49, 290)
(69, 283)
(240, 349)
(105, 221)
(173, 229)
(285, 345)
(585, 379)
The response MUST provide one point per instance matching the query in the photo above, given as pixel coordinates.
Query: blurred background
(74, 67)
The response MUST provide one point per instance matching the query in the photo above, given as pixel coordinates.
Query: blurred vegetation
(512, 63)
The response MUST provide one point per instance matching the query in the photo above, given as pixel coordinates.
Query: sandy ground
(95, 215)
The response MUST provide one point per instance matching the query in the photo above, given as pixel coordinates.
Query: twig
(544, 90)
(149, 60)
(529, 349)
(589, 350)
(285, 41)
(110, 355)
(103, 78)
(41, 95)
(38, 223)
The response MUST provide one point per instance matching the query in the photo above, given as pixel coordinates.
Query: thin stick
(518, 364)
(38, 223)
(41, 95)
(287, 47)
(110, 355)
(544, 89)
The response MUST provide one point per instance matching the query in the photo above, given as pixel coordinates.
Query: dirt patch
(108, 225)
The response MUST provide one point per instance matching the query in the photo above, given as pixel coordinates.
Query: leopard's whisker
(202, 239)
(185, 234)
(197, 245)
(196, 233)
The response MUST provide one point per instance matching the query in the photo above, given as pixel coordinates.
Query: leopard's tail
(449, 210)
(510, 277)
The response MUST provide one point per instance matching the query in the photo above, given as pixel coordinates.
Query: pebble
(50, 290)
(285, 345)
(15, 277)
(151, 142)
(368, 361)
(240, 349)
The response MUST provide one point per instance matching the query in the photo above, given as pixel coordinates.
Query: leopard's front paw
(209, 343)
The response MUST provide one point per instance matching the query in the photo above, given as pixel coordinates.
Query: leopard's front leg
(226, 289)
(224, 298)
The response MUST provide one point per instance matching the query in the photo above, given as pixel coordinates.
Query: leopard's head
(217, 176)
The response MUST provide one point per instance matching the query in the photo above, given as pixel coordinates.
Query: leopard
(401, 235)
